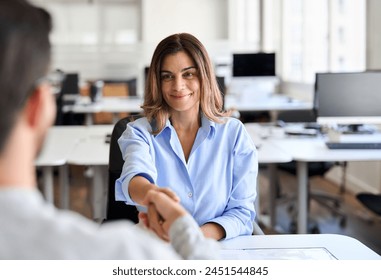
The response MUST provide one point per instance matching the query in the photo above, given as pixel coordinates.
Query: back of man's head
(24, 57)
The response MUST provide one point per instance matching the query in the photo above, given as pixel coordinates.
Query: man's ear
(33, 107)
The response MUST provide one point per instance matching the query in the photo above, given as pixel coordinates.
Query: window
(316, 36)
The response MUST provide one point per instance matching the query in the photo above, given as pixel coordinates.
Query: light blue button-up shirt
(217, 184)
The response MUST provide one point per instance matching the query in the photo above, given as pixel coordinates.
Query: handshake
(163, 208)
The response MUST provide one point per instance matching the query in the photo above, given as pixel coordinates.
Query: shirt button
(190, 195)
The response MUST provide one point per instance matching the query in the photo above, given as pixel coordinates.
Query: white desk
(294, 247)
(304, 150)
(93, 151)
(270, 155)
(60, 149)
(271, 102)
(105, 104)
(59, 143)
(311, 150)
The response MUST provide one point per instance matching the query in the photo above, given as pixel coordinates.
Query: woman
(187, 147)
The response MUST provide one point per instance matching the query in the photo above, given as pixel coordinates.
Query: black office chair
(118, 210)
(371, 201)
(69, 91)
(331, 202)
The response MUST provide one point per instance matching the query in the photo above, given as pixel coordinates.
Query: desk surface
(273, 102)
(297, 246)
(106, 104)
(86, 145)
(91, 147)
(267, 151)
(58, 144)
(304, 150)
(314, 149)
(309, 149)
(93, 150)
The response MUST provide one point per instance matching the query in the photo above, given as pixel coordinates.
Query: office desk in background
(304, 150)
(270, 155)
(268, 102)
(58, 145)
(250, 94)
(91, 150)
(296, 247)
(114, 105)
(59, 149)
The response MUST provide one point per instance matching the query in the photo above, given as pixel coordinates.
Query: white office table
(105, 104)
(297, 247)
(59, 143)
(309, 149)
(270, 155)
(271, 102)
(93, 151)
(312, 150)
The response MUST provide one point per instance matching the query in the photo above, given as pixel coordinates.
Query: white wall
(373, 34)
(207, 20)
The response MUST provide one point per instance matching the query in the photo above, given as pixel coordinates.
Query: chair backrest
(117, 210)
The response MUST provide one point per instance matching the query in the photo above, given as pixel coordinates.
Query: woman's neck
(186, 122)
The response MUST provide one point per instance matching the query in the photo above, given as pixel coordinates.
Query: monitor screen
(253, 64)
(70, 84)
(348, 98)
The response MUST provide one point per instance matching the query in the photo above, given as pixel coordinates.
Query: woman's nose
(178, 84)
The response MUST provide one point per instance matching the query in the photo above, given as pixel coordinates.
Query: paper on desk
(318, 253)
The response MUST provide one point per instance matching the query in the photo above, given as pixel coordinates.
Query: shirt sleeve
(239, 213)
(138, 160)
(189, 242)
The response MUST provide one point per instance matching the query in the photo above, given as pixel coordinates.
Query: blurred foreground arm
(172, 222)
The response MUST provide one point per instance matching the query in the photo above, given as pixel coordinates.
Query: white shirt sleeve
(189, 242)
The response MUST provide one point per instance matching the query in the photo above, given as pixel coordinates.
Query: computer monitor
(253, 64)
(351, 99)
(70, 84)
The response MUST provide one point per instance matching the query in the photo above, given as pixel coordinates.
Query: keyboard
(353, 145)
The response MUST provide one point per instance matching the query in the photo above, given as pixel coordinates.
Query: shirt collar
(207, 126)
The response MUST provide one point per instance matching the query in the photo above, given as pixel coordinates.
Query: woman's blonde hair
(211, 100)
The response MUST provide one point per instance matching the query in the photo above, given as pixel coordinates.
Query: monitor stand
(357, 129)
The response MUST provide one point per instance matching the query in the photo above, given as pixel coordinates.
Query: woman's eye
(166, 77)
(188, 75)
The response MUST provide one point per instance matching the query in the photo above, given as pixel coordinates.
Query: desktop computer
(349, 103)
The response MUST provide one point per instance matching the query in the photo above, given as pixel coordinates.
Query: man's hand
(143, 217)
(162, 211)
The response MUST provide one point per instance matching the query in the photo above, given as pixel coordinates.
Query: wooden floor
(360, 223)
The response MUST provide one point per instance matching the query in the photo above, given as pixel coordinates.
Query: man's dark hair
(24, 57)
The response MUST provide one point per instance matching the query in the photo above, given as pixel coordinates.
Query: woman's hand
(139, 186)
(162, 211)
(213, 230)
(143, 217)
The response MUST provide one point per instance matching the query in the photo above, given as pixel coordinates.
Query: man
(30, 228)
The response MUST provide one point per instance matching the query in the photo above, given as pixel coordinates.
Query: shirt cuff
(188, 240)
